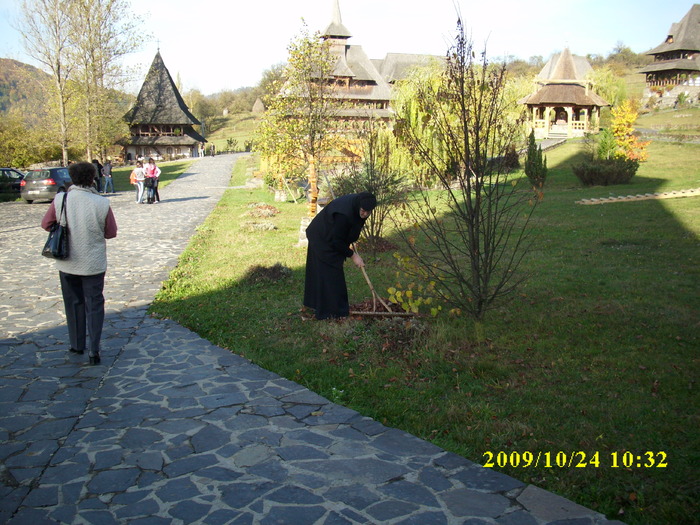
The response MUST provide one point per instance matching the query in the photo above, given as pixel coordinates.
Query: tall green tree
(535, 163)
(297, 129)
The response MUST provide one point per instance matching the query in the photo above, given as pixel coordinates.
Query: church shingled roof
(683, 36)
(159, 101)
(336, 29)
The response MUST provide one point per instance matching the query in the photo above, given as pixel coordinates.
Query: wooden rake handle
(375, 295)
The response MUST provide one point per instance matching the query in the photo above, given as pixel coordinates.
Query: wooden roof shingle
(683, 36)
(159, 101)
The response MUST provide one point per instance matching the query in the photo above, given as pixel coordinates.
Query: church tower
(160, 123)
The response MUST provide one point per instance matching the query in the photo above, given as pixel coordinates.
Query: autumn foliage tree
(628, 144)
(298, 127)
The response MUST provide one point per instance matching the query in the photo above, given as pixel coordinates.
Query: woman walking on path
(90, 222)
(152, 172)
(140, 178)
(107, 173)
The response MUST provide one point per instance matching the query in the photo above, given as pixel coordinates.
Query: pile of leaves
(260, 209)
(368, 306)
(267, 274)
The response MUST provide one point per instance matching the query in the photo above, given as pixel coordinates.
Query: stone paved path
(171, 429)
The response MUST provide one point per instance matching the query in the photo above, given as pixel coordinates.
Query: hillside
(20, 85)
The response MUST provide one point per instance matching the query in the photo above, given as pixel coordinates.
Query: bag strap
(63, 212)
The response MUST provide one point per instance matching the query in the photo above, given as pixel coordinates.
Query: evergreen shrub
(605, 172)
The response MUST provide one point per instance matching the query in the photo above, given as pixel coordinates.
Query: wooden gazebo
(565, 104)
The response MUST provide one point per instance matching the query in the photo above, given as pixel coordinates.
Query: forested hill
(20, 84)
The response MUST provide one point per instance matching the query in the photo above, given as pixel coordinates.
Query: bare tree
(46, 31)
(469, 235)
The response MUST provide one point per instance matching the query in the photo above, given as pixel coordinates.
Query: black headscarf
(338, 225)
(367, 201)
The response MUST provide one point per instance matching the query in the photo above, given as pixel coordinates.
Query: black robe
(330, 234)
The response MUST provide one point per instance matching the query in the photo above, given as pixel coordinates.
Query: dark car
(10, 180)
(45, 183)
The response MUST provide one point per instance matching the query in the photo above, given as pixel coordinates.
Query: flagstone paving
(172, 429)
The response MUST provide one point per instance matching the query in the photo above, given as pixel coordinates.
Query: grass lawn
(597, 354)
(239, 127)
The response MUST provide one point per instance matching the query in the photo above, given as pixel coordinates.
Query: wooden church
(365, 85)
(676, 66)
(160, 124)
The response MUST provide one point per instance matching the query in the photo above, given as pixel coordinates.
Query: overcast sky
(215, 45)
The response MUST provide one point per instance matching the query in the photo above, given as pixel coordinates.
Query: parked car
(44, 183)
(10, 180)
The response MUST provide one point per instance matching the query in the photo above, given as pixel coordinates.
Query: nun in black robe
(330, 235)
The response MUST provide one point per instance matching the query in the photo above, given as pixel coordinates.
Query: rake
(375, 296)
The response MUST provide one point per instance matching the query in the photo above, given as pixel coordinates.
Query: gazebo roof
(564, 94)
(159, 101)
(564, 66)
(683, 36)
(564, 82)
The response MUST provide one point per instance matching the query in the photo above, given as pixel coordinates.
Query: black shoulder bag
(56, 245)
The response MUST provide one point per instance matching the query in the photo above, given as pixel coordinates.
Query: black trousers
(85, 309)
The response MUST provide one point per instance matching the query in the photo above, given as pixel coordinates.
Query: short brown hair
(82, 173)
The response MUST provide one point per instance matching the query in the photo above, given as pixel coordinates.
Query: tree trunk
(313, 188)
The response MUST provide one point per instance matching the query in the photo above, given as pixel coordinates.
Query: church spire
(336, 29)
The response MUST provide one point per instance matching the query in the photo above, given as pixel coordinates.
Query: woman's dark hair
(82, 173)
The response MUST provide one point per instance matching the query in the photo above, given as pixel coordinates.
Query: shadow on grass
(593, 352)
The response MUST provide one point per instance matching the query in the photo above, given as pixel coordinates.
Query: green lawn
(239, 127)
(669, 120)
(596, 354)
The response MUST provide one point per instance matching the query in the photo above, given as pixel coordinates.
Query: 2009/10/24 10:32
(577, 459)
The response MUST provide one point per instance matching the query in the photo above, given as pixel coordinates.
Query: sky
(217, 45)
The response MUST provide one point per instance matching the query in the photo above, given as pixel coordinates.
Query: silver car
(45, 183)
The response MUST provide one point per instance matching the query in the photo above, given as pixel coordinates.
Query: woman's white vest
(86, 213)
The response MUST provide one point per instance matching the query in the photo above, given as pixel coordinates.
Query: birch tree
(298, 126)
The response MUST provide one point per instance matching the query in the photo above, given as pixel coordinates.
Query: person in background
(140, 178)
(107, 173)
(330, 235)
(152, 172)
(98, 176)
(90, 222)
